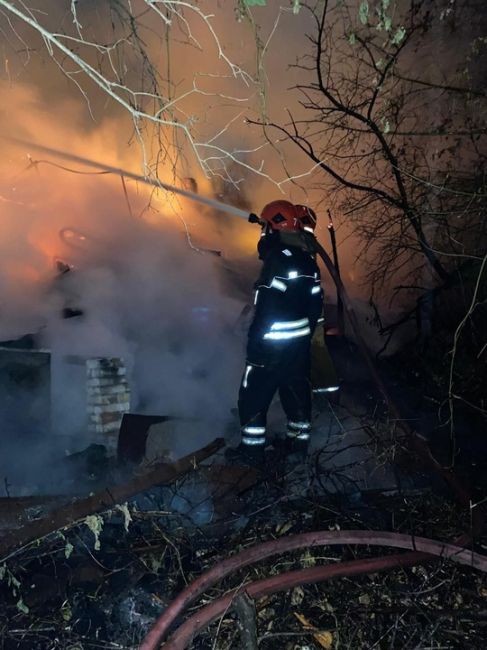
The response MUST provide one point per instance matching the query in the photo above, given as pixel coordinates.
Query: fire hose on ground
(424, 549)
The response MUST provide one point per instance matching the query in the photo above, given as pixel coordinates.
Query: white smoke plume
(140, 273)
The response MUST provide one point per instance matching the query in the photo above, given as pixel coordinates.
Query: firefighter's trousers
(288, 372)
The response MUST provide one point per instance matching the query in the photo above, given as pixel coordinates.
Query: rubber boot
(296, 450)
(291, 450)
(251, 455)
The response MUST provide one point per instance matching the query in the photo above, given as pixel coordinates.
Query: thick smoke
(148, 297)
(139, 272)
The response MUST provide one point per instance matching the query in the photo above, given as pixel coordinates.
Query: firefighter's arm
(316, 303)
(259, 351)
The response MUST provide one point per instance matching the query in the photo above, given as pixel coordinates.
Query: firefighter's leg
(295, 394)
(257, 389)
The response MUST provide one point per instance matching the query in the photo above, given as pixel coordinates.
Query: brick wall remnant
(108, 397)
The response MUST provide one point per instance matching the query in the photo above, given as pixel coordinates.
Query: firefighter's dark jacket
(287, 290)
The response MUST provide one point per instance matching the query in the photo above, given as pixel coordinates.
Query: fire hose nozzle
(253, 218)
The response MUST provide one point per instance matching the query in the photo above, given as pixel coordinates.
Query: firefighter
(307, 218)
(323, 374)
(288, 302)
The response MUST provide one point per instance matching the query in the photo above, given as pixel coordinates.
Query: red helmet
(280, 215)
(307, 217)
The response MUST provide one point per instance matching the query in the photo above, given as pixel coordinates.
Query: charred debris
(373, 542)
